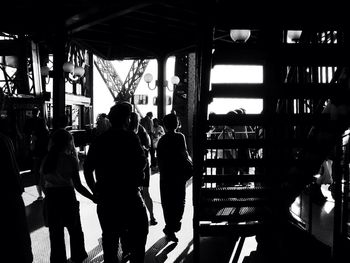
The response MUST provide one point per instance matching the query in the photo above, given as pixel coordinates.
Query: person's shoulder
(141, 129)
(179, 134)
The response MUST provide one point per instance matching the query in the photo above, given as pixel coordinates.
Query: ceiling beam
(102, 13)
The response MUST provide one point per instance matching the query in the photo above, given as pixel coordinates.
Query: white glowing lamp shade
(68, 67)
(45, 71)
(148, 78)
(240, 35)
(175, 80)
(79, 71)
(294, 35)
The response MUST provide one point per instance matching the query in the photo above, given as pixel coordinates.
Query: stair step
(230, 178)
(236, 143)
(233, 202)
(246, 229)
(286, 90)
(301, 54)
(234, 163)
(260, 119)
(233, 214)
(236, 191)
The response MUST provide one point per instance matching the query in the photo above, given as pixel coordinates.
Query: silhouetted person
(37, 134)
(118, 160)
(158, 133)
(145, 141)
(60, 176)
(17, 243)
(172, 155)
(102, 125)
(147, 123)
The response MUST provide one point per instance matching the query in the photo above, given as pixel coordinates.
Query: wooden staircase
(298, 78)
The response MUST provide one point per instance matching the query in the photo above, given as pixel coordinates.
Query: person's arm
(139, 157)
(183, 146)
(77, 182)
(89, 167)
(41, 173)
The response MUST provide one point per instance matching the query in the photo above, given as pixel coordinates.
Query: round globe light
(68, 67)
(175, 80)
(45, 71)
(240, 35)
(79, 71)
(148, 78)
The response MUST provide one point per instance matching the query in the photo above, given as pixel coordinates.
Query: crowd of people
(117, 168)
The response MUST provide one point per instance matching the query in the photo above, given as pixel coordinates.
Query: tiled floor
(158, 249)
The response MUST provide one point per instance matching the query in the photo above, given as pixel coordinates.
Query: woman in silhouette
(60, 176)
(172, 155)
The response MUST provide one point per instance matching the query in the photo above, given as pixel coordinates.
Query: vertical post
(161, 100)
(89, 88)
(201, 124)
(59, 92)
(337, 224)
(22, 68)
(38, 89)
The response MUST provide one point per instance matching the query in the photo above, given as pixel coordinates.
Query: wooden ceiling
(130, 29)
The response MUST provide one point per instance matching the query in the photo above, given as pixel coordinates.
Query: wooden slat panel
(236, 143)
(285, 54)
(258, 119)
(229, 178)
(233, 163)
(285, 91)
(231, 229)
(235, 191)
(232, 214)
(229, 202)
(252, 143)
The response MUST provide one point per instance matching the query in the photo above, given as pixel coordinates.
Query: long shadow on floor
(158, 252)
(93, 254)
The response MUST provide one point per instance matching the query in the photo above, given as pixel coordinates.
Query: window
(168, 100)
(141, 99)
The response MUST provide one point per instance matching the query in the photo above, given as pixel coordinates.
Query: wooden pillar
(161, 99)
(22, 81)
(59, 101)
(200, 127)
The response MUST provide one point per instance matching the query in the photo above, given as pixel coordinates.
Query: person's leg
(55, 215)
(169, 212)
(17, 246)
(178, 207)
(76, 235)
(110, 234)
(153, 156)
(138, 231)
(149, 204)
(36, 174)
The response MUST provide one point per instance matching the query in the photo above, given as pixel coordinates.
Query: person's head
(102, 123)
(134, 121)
(35, 112)
(170, 122)
(240, 111)
(119, 114)
(149, 114)
(61, 140)
(155, 122)
(101, 116)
